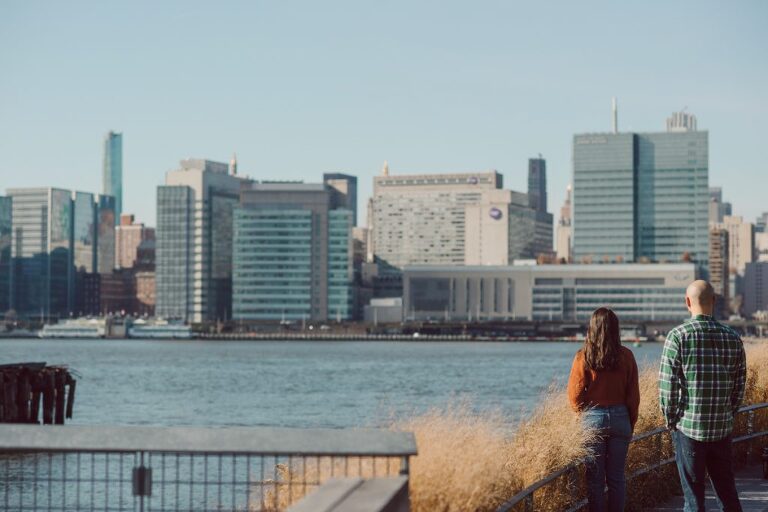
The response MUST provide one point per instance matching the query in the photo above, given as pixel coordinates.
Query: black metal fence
(650, 462)
(168, 469)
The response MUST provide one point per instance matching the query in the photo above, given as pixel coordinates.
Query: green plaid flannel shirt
(701, 379)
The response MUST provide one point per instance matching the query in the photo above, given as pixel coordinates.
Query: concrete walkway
(753, 493)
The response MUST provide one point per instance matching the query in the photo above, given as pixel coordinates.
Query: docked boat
(74, 329)
(144, 330)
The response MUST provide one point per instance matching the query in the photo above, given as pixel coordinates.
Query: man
(701, 384)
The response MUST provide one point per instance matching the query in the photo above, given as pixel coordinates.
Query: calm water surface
(297, 384)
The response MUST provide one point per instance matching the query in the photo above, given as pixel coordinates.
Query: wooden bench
(357, 495)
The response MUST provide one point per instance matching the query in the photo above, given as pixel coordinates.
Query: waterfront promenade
(753, 492)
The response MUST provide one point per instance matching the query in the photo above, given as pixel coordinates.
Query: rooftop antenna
(233, 165)
(614, 116)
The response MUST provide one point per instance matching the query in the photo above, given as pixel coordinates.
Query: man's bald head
(700, 297)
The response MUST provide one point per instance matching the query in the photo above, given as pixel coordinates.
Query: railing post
(405, 465)
(142, 481)
(750, 431)
(572, 484)
(529, 503)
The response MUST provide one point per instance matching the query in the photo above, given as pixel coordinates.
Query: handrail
(527, 493)
(231, 440)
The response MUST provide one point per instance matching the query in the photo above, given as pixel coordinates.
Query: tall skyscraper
(564, 229)
(42, 277)
(718, 209)
(537, 183)
(194, 241)
(641, 197)
(55, 251)
(112, 172)
(719, 270)
(343, 192)
(292, 254)
(453, 219)
(6, 228)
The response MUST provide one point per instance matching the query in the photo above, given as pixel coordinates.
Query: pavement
(753, 493)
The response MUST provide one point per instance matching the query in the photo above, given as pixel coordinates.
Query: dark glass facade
(641, 197)
(175, 218)
(112, 177)
(537, 184)
(42, 278)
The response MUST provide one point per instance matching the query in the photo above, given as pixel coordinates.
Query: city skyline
(465, 98)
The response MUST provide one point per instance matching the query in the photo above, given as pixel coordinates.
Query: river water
(298, 384)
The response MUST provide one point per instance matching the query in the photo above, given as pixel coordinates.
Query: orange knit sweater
(589, 388)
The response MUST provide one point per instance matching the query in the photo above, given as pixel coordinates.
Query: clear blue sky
(302, 88)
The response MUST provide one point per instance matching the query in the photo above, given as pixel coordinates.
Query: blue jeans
(605, 465)
(697, 458)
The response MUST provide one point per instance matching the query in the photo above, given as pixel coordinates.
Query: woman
(603, 387)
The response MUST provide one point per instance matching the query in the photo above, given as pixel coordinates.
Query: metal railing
(568, 477)
(69, 468)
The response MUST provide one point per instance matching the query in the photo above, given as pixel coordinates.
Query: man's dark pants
(697, 458)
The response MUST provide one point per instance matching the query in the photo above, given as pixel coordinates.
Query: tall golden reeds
(475, 462)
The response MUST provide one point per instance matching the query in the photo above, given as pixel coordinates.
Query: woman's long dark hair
(602, 346)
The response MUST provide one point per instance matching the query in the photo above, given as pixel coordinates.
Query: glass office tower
(105, 234)
(41, 281)
(641, 197)
(537, 183)
(112, 172)
(194, 241)
(340, 272)
(292, 254)
(6, 226)
(272, 265)
(175, 218)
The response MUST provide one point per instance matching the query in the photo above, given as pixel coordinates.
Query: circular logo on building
(472, 180)
(495, 213)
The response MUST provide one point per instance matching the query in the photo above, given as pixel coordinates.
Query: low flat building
(650, 292)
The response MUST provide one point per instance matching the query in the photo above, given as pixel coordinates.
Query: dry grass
(471, 462)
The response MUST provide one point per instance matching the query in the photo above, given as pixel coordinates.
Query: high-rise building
(112, 172)
(641, 197)
(755, 288)
(6, 228)
(453, 219)
(292, 254)
(717, 208)
(719, 270)
(105, 222)
(194, 241)
(741, 245)
(41, 247)
(128, 236)
(761, 224)
(56, 249)
(343, 192)
(681, 122)
(537, 183)
(761, 246)
(564, 230)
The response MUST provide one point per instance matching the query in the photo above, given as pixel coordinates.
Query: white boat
(144, 330)
(74, 329)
